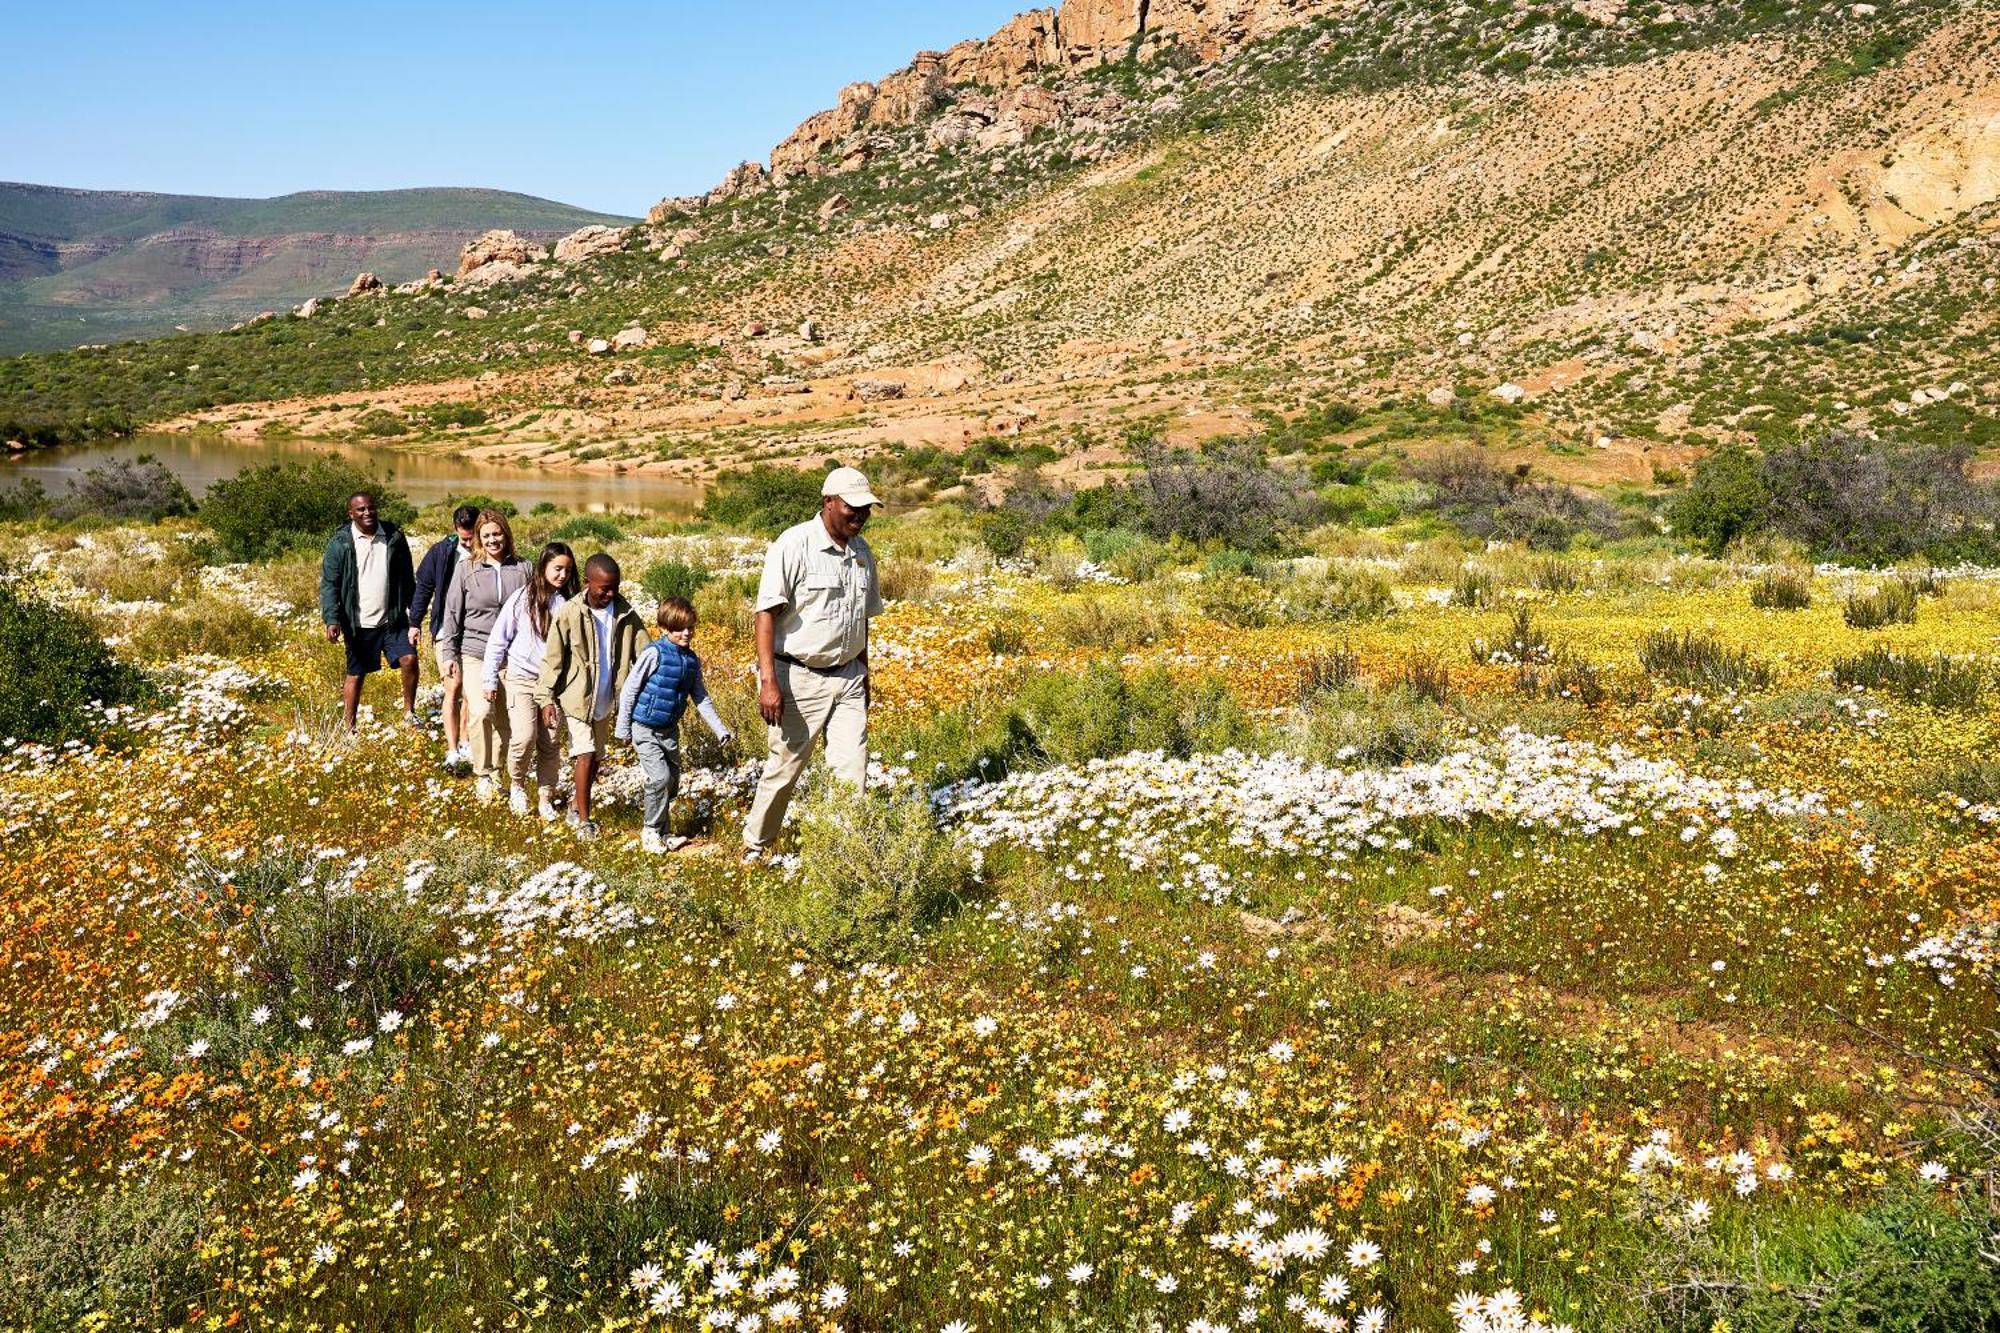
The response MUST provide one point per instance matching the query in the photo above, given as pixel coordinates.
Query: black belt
(817, 671)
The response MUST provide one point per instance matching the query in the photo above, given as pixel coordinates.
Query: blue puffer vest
(664, 696)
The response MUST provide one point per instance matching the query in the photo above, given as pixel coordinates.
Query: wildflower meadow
(1413, 934)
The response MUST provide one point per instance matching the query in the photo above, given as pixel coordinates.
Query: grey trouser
(660, 761)
(833, 703)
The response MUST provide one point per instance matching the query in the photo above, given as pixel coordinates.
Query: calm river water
(199, 461)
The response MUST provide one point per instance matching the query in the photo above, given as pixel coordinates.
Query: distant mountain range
(79, 266)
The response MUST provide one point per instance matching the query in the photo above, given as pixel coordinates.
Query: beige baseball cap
(849, 485)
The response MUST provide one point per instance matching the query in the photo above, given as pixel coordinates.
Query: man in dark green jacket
(365, 585)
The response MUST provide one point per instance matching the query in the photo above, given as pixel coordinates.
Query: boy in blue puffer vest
(658, 689)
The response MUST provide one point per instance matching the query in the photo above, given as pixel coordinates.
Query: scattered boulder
(364, 282)
(598, 347)
(756, 328)
(492, 275)
(497, 247)
(1442, 396)
(630, 336)
(475, 312)
(575, 335)
(673, 207)
(938, 221)
(875, 391)
(308, 309)
(734, 391)
(1509, 392)
(833, 207)
(622, 375)
(588, 243)
(809, 331)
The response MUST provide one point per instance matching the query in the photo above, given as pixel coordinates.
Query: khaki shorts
(588, 737)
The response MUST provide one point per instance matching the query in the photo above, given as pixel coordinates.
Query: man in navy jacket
(434, 575)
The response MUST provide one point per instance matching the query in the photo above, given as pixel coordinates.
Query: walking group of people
(540, 657)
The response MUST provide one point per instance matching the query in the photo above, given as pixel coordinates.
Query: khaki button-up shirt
(821, 595)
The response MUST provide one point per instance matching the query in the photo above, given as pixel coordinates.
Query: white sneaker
(486, 791)
(517, 800)
(584, 829)
(547, 810)
(651, 841)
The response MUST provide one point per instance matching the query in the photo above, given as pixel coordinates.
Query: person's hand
(492, 694)
(333, 634)
(549, 715)
(451, 671)
(770, 703)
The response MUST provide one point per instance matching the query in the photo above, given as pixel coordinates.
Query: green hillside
(100, 266)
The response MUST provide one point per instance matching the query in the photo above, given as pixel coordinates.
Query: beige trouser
(485, 723)
(533, 750)
(834, 703)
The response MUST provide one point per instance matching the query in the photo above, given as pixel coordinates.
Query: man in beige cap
(813, 606)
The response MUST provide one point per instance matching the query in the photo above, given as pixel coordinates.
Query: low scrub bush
(1940, 681)
(1231, 598)
(381, 423)
(1328, 672)
(1355, 726)
(1726, 499)
(1564, 676)
(1698, 661)
(1976, 780)
(1099, 712)
(212, 624)
(145, 490)
(725, 604)
(117, 1256)
(1473, 587)
(1340, 594)
(1102, 622)
(1851, 498)
(1426, 678)
(1523, 641)
(265, 511)
(1782, 590)
(1891, 604)
(58, 669)
(764, 499)
(874, 871)
(587, 528)
(1555, 574)
(1225, 493)
(673, 578)
(121, 566)
(905, 579)
(1486, 503)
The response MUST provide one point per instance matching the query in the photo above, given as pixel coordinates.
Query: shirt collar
(360, 536)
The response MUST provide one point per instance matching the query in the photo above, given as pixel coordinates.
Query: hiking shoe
(584, 829)
(517, 800)
(413, 722)
(486, 790)
(547, 810)
(752, 855)
(650, 841)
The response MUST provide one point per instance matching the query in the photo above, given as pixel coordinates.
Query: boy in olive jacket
(593, 641)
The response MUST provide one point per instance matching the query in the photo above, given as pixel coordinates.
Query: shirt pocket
(820, 597)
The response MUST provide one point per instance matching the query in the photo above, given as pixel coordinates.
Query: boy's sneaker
(413, 722)
(651, 841)
(752, 855)
(517, 799)
(547, 810)
(584, 829)
(485, 790)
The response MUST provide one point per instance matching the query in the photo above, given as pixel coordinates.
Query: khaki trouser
(534, 752)
(834, 703)
(485, 723)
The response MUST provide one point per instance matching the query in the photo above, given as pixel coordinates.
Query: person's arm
(402, 576)
(426, 581)
(504, 630)
(774, 592)
(555, 664)
(329, 589)
(454, 624)
(698, 695)
(628, 696)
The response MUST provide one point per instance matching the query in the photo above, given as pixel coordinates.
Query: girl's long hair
(539, 591)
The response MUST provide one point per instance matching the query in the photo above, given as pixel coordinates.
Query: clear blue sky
(606, 105)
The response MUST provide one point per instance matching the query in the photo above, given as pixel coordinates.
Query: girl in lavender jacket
(519, 636)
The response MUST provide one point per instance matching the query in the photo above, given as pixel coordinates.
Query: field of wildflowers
(1476, 966)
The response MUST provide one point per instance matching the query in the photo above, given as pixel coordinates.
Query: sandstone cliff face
(1079, 35)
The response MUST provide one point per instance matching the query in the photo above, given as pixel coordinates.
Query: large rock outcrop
(1078, 35)
(497, 247)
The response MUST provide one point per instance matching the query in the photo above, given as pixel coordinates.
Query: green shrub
(265, 511)
(438, 416)
(1726, 500)
(765, 499)
(1117, 625)
(381, 423)
(1328, 672)
(1358, 726)
(1230, 598)
(1940, 681)
(145, 490)
(1782, 590)
(1564, 676)
(1474, 588)
(485, 502)
(1099, 712)
(1426, 678)
(1342, 594)
(1891, 604)
(1555, 574)
(124, 1254)
(873, 872)
(57, 669)
(673, 578)
(220, 626)
(1700, 662)
(587, 527)
(1005, 532)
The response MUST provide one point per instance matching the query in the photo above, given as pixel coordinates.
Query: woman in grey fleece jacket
(470, 610)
